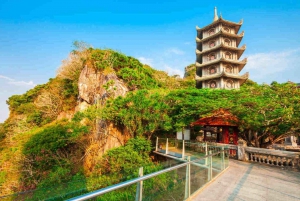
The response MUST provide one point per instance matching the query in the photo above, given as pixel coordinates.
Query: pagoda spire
(216, 15)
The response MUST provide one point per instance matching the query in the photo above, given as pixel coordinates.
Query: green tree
(142, 113)
(267, 113)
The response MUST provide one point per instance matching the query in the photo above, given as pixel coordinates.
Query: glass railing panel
(172, 185)
(217, 162)
(189, 146)
(161, 145)
(175, 147)
(169, 163)
(167, 186)
(61, 191)
(125, 193)
(226, 157)
(200, 148)
(199, 175)
(178, 144)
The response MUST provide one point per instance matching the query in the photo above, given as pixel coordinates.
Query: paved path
(253, 181)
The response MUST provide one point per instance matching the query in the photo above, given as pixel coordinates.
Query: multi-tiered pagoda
(218, 54)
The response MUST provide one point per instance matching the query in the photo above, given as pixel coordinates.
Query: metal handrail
(125, 183)
(136, 180)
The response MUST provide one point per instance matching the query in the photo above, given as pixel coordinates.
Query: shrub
(48, 153)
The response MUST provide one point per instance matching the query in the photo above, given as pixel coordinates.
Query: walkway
(253, 181)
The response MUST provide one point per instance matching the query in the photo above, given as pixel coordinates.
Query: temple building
(221, 127)
(218, 54)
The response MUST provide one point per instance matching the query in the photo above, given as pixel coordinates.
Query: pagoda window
(212, 56)
(212, 44)
(211, 32)
(228, 55)
(212, 84)
(229, 84)
(212, 70)
(229, 69)
(227, 42)
(227, 29)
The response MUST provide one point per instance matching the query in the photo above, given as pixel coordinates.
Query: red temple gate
(220, 127)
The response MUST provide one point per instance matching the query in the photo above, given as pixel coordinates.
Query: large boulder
(96, 86)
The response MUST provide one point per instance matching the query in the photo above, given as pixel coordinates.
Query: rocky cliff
(97, 86)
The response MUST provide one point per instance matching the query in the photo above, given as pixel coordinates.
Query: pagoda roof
(219, 117)
(238, 37)
(236, 26)
(241, 78)
(240, 50)
(240, 64)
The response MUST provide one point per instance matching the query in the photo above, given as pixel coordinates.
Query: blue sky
(35, 36)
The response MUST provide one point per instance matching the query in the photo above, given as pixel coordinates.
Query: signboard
(187, 134)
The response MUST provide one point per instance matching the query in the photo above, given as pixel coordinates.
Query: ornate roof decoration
(219, 117)
(216, 15)
(237, 26)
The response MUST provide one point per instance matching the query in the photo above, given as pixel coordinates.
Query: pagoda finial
(216, 15)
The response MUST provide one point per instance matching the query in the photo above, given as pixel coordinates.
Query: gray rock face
(94, 86)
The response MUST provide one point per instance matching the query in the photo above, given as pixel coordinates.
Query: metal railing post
(156, 146)
(222, 158)
(167, 146)
(139, 187)
(210, 167)
(206, 153)
(188, 179)
(183, 149)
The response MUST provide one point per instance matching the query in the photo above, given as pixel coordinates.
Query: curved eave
(238, 37)
(236, 26)
(241, 78)
(239, 51)
(235, 76)
(209, 77)
(241, 64)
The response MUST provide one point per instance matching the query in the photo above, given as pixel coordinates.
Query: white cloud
(171, 60)
(16, 82)
(22, 83)
(187, 43)
(273, 65)
(6, 78)
(174, 50)
(173, 71)
(147, 61)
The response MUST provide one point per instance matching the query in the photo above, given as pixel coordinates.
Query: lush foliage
(267, 113)
(42, 153)
(121, 164)
(142, 113)
(48, 154)
(127, 159)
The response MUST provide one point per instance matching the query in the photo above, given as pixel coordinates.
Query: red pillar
(225, 135)
(235, 134)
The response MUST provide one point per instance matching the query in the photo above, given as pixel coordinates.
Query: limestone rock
(114, 137)
(95, 85)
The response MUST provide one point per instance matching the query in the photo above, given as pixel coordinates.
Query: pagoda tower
(218, 54)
